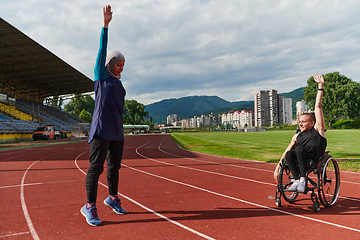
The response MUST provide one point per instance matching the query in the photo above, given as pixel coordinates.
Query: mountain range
(188, 107)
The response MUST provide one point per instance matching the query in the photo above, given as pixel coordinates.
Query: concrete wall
(255, 130)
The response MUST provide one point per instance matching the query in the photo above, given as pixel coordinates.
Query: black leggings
(101, 149)
(301, 155)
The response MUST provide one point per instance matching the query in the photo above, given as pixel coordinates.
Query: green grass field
(269, 146)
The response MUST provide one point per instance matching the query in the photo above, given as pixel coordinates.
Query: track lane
(201, 208)
(320, 220)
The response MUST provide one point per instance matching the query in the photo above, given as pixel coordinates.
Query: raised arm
(107, 16)
(99, 70)
(319, 115)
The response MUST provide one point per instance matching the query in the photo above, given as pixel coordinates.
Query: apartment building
(272, 109)
(233, 120)
(266, 105)
(238, 119)
(172, 118)
(301, 107)
(202, 121)
(286, 110)
(227, 119)
(185, 123)
(247, 118)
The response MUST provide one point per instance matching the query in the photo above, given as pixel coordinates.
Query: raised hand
(107, 15)
(319, 79)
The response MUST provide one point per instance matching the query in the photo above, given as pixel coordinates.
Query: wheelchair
(327, 183)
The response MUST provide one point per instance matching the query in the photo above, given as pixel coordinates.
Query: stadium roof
(30, 72)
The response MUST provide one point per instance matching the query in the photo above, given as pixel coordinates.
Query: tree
(85, 115)
(134, 112)
(56, 102)
(148, 122)
(79, 103)
(89, 104)
(341, 97)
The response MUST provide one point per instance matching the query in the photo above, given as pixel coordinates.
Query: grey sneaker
(293, 187)
(301, 187)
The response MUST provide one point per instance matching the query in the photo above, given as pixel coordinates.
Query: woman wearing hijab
(106, 136)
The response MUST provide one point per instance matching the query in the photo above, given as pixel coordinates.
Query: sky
(178, 48)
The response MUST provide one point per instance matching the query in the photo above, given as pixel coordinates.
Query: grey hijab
(112, 58)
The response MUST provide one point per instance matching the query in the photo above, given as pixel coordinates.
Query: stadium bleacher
(25, 116)
(18, 116)
(8, 124)
(11, 110)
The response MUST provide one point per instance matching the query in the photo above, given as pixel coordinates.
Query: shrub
(347, 124)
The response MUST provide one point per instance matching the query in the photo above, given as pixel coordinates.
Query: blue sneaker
(115, 205)
(91, 215)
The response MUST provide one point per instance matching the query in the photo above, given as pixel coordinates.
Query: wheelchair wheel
(278, 201)
(329, 182)
(285, 182)
(316, 206)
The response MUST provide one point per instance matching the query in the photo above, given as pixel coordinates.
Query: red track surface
(169, 193)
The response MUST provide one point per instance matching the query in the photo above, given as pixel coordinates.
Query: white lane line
(259, 169)
(351, 199)
(356, 173)
(349, 182)
(13, 234)
(34, 184)
(23, 205)
(246, 202)
(16, 156)
(237, 199)
(246, 179)
(166, 218)
(197, 160)
(150, 210)
(7, 153)
(27, 184)
(204, 171)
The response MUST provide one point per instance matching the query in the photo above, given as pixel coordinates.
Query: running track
(169, 193)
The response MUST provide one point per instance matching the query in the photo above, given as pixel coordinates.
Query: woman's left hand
(107, 15)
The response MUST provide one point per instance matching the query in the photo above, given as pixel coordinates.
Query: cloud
(176, 48)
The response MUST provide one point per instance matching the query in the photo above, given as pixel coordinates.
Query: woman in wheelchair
(310, 143)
